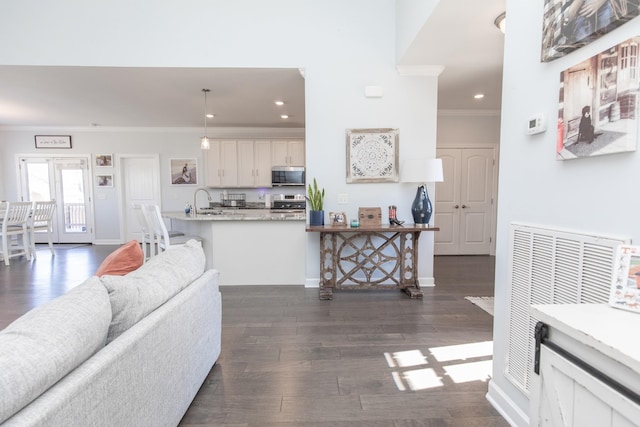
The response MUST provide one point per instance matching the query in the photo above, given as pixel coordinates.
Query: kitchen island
(249, 246)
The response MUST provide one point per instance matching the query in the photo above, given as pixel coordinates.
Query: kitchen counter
(238, 215)
(250, 246)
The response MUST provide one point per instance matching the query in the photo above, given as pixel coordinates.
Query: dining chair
(41, 220)
(146, 240)
(14, 223)
(162, 238)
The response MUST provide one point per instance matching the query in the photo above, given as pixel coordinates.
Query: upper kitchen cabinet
(221, 164)
(254, 163)
(287, 153)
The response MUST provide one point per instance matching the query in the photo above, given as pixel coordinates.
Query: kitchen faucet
(195, 208)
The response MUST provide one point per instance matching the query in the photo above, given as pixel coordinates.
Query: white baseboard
(107, 242)
(312, 283)
(506, 407)
(426, 282)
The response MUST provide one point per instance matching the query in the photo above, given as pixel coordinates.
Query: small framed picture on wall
(104, 160)
(104, 180)
(184, 171)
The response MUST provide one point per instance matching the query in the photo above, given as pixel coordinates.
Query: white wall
(343, 46)
(591, 195)
(468, 128)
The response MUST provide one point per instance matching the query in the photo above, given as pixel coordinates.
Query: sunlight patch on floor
(428, 378)
(462, 351)
(422, 379)
(404, 359)
(473, 371)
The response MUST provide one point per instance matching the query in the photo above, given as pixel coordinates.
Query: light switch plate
(343, 198)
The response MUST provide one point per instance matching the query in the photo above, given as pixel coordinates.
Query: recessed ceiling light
(478, 95)
(210, 116)
(284, 116)
(279, 103)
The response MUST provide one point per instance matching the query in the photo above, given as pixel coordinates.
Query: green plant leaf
(315, 196)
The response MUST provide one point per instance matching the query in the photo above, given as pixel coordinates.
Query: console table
(371, 257)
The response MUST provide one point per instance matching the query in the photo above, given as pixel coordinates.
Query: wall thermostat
(537, 124)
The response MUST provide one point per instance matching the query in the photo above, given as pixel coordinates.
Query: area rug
(485, 303)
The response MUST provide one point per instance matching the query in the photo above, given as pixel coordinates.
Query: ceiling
(471, 53)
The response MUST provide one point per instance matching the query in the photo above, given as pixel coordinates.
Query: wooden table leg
(327, 266)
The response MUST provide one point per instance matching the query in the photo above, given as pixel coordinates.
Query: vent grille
(548, 266)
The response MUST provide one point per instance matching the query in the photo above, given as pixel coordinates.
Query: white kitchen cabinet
(262, 163)
(221, 164)
(588, 367)
(254, 163)
(246, 163)
(287, 153)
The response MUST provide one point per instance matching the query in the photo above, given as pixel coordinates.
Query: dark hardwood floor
(288, 359)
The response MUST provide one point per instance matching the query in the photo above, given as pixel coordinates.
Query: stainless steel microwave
(287, 176)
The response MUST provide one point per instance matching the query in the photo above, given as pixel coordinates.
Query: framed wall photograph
(53, 141)
(568, 25)
(104, 160)
(104, 180)
(184, 171)
(372, 155)
(598, 104)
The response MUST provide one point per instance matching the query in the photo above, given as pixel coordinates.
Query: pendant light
(204, 142)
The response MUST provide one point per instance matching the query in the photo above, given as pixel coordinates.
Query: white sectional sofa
(127, 350)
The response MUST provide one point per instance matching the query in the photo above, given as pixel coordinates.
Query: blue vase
(421, 208)
(316, 218)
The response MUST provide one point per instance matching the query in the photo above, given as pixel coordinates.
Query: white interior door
(140, 185)
(447, 204)
(65, 180)
(464, 202)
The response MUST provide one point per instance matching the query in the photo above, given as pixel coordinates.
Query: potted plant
(316, 200)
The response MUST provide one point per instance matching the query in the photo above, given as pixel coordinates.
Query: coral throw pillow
(123, 260)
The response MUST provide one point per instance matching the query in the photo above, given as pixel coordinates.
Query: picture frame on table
(372, 155)
(338, 219)
(104, 160)
(53, 141)
(184, 171)
(625, 284)
(104, 180)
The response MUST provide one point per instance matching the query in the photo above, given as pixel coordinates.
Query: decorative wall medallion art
(372, 155)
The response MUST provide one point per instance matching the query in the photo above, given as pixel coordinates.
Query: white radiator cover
(550, 266)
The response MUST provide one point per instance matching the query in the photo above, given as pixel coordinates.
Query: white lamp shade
(421, 170)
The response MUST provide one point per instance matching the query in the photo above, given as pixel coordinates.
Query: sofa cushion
(140, 292)
(43, 345)
(123, 260)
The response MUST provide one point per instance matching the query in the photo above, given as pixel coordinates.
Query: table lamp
(420, 171)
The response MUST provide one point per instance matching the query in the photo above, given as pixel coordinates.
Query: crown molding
(215, 132)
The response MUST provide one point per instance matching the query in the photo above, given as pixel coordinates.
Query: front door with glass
(65, 180)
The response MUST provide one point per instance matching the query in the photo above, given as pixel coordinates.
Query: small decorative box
(370, 217)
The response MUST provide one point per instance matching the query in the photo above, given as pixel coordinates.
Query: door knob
(464, 206)
(456, 206)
